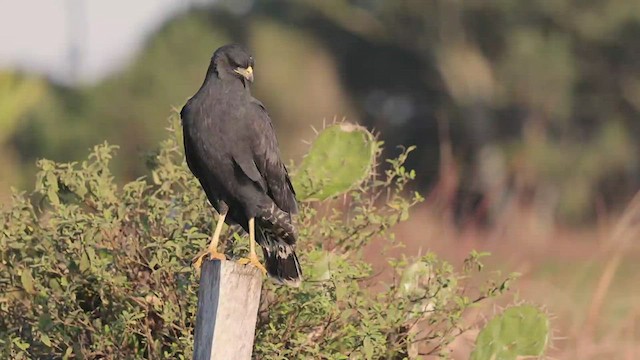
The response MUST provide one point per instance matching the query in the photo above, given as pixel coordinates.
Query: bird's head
(233, 61)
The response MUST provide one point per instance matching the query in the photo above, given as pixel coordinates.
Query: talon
(253, 260)
(217, 255)
(197, 261)
(213, 246)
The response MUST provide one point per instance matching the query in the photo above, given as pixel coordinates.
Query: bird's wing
(248, 166)
(189, 151)
(266, 158)
(196, 164)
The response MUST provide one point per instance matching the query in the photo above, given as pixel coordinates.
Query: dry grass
(586, 278)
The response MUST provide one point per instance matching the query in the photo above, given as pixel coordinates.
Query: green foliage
(90, 269)
(341, 156)
(608, 153)
(518, 331)
(548, 60)
(19, 95)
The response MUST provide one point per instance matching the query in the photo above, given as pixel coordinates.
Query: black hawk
(231, 147)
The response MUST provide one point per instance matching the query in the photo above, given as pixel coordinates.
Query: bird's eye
(233, 62)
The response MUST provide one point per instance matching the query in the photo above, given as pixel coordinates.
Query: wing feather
(249, 168)
(266, 157)
(195, 165)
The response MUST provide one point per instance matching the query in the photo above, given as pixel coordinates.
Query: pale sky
(37, 35)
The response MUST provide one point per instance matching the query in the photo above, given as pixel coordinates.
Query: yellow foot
(253, 260)
(197, 261)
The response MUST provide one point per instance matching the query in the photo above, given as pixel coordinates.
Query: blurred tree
(556, 77)
(536, 98)
(18, 96)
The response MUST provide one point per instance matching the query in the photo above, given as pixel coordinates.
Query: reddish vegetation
(586, 278)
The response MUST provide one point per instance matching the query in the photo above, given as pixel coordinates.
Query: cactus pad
(340, 157)
(520, 331)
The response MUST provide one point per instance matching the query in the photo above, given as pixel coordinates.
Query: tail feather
(277, 236)
(283, 267)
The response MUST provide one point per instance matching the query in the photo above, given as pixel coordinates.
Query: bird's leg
(253, 258)
(212, 250)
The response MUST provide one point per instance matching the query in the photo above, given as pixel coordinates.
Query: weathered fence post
(228, 301)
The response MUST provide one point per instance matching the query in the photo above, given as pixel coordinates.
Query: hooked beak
(246, 73)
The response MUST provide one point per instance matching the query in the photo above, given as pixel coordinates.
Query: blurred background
(526, 115)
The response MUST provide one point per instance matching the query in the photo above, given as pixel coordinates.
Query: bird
(231, 148)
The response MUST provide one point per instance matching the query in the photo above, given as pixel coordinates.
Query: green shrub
(90, 269)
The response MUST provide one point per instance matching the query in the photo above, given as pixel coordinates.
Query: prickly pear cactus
(414, 279)
(340, 157)
(520, 331)
(324, 263)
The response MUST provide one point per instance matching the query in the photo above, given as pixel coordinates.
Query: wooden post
(228, 301)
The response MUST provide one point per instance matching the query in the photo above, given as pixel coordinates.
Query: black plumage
(231, 147)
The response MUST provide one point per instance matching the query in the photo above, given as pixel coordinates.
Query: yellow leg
(212, 250)
(253, 258)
